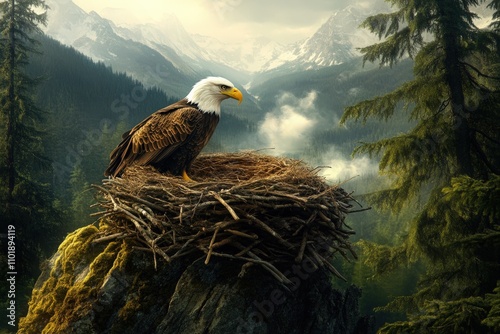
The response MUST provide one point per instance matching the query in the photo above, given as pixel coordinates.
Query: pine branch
(475, 69)
(482, 156)
(486, 136)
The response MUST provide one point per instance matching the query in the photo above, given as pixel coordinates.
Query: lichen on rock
(68, 284)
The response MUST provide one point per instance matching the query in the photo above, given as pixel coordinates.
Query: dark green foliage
(19, 114)
(449, 159)
(82, 198)
(495, 5)
(460, 316)
(493, 318)
(470, 197)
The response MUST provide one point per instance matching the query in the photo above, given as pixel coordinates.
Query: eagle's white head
(210, 92)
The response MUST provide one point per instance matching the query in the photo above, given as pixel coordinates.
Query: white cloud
(287, 127)
(342, 168)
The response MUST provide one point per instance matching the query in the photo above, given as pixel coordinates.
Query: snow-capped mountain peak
(249, 55)
(168, 31)
(333, 43)
(67, 21)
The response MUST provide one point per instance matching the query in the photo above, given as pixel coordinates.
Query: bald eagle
(172, 137)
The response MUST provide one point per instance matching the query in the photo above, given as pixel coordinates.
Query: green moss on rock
(108, 287)
(71, 282)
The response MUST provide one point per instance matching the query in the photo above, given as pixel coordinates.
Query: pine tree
(28, 202)
(451, 156)
(18, 22)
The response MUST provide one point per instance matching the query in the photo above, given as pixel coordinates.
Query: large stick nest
(258, 209)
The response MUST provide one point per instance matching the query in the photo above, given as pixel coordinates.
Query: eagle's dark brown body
(169, 139)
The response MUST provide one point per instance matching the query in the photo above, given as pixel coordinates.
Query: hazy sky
(281, 20)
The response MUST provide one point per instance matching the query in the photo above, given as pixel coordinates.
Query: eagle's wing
(163, 133)
(155, 138)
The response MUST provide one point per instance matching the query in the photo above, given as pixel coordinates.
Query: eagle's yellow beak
(234, 93)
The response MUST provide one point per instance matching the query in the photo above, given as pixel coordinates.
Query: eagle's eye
(224, 87)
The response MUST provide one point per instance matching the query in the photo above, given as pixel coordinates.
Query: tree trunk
(453, 72)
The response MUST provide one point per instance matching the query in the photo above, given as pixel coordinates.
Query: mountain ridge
(192, 54)
(95, 37)
(332, 44)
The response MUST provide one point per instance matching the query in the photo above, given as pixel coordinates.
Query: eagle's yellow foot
(185, 177)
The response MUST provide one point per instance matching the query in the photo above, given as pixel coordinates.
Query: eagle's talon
(185, 177)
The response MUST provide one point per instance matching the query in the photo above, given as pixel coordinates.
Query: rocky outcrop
(110, 287)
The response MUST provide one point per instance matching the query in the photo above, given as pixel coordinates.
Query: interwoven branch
(258, 209)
